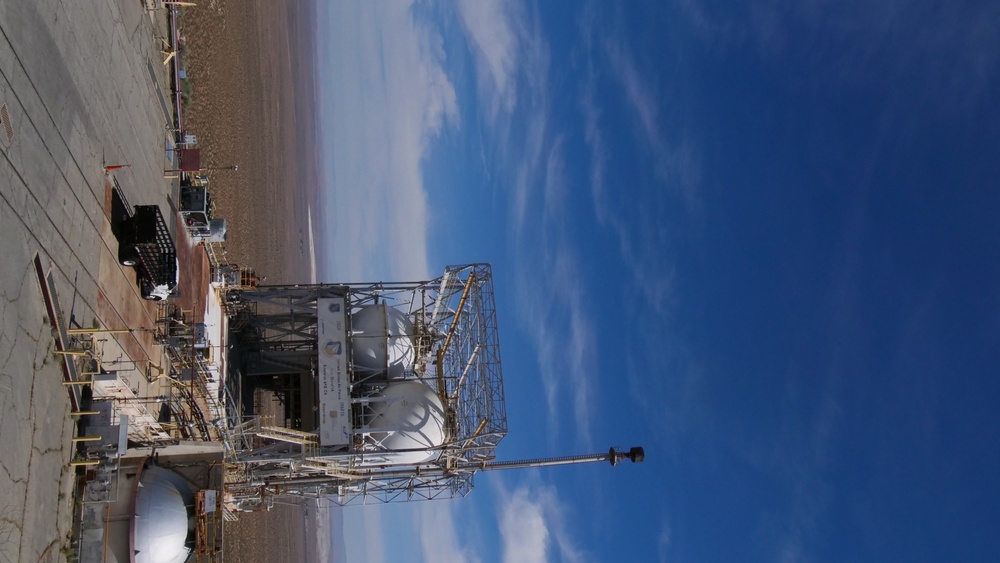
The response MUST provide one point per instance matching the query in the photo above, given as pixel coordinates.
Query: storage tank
(381, 343)
(161, 520)
(408, 419)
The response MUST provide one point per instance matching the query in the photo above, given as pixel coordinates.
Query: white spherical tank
(408, 419)
(381, 343)
(160, 528)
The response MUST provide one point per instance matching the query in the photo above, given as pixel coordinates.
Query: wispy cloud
(439, 538)
(638, 95)
(523, 527)
(938, 58)
(533, 526)
(674, 161)
(528, 169)
(530, 523)
(573, 367)
(554, 304)
(594, 137)
(665, 384)
(554, 310)
(390, 99)
(799, 456)
(512, 65)
(364, 536)
(496, 44)
(671, 205)
(642, 232)
(664, 540)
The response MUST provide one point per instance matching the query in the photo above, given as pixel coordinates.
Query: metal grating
(8, 127)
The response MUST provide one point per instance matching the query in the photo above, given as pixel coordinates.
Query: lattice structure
(385, 489)
(456, 353)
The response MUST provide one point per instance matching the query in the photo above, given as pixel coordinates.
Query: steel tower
(431, 346)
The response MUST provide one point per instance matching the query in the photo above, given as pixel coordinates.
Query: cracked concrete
(75, 81)
(34, 424)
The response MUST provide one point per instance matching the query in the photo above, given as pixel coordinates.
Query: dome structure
(408, 420)
(381, 343)
(161, 519)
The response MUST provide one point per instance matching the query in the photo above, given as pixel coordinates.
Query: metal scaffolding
(456, 353)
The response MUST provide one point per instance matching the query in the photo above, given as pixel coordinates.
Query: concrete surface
(83, 83)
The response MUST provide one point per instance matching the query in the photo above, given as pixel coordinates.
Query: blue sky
(761, 239)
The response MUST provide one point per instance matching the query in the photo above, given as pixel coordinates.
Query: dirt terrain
(251, 92)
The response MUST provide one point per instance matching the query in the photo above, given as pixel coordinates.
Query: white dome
(411, 418)
(380, 339)
(161, 520)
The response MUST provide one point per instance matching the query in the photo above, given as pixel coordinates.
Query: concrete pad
(75, 77)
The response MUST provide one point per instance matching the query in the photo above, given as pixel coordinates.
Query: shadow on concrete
(120, 210)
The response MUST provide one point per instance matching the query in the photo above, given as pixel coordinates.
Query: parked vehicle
(145, 244)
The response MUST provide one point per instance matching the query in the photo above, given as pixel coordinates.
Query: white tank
(380, 338)
(161, 518)
(408, 419)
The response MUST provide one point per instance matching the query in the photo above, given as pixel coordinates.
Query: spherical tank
(161, 520)
(380, 338)
(408, 418)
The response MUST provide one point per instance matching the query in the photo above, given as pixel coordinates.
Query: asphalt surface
(84, 86)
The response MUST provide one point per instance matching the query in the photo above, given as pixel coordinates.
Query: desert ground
(251, 101)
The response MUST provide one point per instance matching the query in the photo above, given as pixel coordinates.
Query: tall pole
(635, 455)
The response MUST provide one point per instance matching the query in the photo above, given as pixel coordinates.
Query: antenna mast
(635, 455)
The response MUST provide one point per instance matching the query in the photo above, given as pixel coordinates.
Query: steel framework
(457, 354)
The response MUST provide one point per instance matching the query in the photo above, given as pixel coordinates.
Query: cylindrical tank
(381, 343)
(408, 419)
